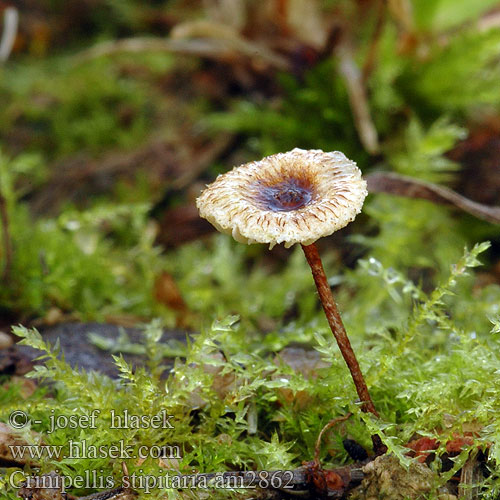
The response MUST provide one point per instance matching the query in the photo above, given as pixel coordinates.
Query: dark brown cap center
(286, 196)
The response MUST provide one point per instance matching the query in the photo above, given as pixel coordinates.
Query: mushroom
(294, 197)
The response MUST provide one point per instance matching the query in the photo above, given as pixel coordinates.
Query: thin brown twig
(358, 99)
(402, 185)
(329, 425)
(470, 478)
(10, 26)
(369, 63)
(201, 47)
(211, 31)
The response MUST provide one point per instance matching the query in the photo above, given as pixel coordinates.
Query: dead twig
(213, 31)
(470, 478)
(219, 49)
(329, 425)
(147, 44)
(400, 185)
(369, 63)
(357, 98)
(10, 24)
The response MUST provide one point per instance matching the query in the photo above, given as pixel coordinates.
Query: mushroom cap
(293, 197)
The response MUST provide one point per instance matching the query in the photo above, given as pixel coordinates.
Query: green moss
(419, 372)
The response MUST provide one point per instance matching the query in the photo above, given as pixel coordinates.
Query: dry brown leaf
(167, 292)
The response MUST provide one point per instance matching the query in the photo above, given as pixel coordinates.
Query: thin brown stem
(358, 98)
(369, 63)
(338, 330)
(329, 425)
